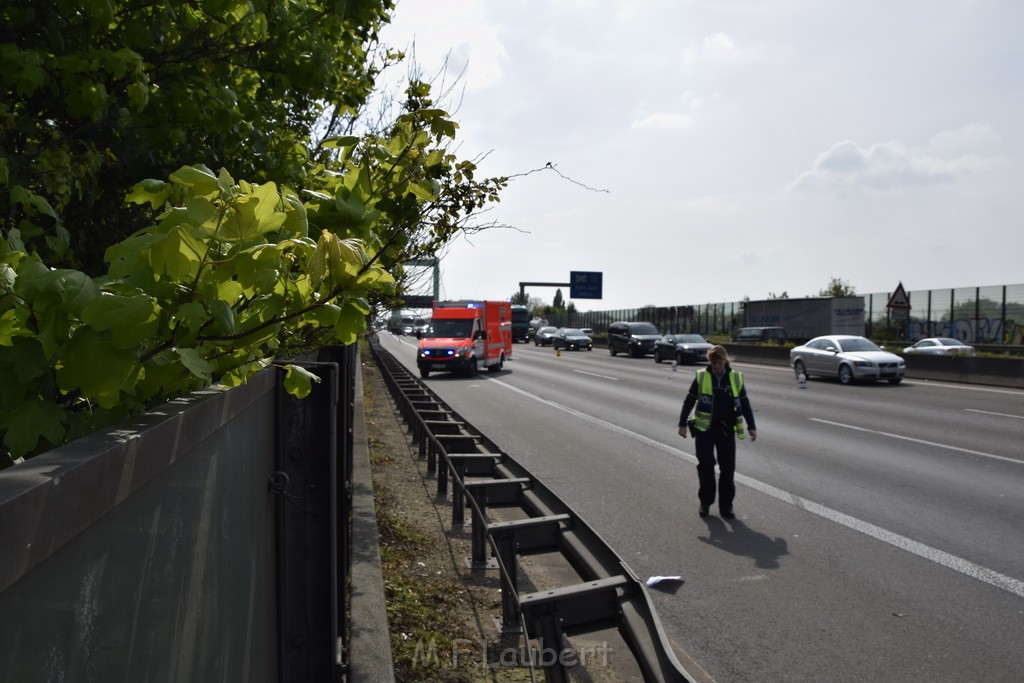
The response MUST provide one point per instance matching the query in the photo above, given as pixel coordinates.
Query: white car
(848, 358)
(941, 346)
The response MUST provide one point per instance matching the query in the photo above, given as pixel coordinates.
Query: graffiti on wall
(968, 330)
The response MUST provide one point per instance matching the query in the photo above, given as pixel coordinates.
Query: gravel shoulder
(442, 615)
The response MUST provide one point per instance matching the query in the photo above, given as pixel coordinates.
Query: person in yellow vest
(722, 407)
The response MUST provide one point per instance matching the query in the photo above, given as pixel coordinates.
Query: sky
(706, 151)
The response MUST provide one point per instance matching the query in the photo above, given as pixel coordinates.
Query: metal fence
(976, 315)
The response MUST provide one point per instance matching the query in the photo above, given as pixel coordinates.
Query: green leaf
(130, 319)
(194, 361)
(341, 142)
(196, 212)
(24, 358)
(96, 368)
(326, 315)
(223, 315)
(253, 215)
(11, 326)
(296, 222)
(31, 421)
(74, 289)
(298, 381)
(152, 192)
(20, 195)
(350, 323)
(200, 179)
(191, 316)
(178, 255)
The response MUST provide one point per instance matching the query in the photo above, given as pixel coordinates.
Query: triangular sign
(899, 298)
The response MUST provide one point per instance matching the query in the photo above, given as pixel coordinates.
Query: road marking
(594, 374)
(989, 412)
(957, 564)
(921, 441)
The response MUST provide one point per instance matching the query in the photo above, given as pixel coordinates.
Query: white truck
(804, 319)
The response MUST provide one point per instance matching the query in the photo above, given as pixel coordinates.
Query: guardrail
(607, 593)
(1001, 372)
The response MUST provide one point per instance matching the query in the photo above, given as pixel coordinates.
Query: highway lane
(880, 527)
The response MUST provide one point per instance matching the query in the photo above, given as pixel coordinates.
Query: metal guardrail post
(479, 536)
(458, 502)
(507, 558)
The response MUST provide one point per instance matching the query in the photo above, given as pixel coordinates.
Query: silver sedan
(941, 346)
(847, 357)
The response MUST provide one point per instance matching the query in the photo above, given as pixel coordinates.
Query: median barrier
(1002, 372)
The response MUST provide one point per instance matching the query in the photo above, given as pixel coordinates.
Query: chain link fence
(975, 315)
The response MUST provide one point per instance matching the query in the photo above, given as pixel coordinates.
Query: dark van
(760, 334)
(636, 339)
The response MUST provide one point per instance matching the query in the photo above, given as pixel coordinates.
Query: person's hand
(753, 435)
(682, 431)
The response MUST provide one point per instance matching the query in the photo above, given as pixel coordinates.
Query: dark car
(683, 348)
(636, 339)
(572, 339)
(544, 336)
(760, 334)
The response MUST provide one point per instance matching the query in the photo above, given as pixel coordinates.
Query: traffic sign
(899, 299)
(584, 285)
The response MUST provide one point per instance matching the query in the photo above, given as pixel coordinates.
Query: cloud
(664, 120)
(970, 139)
(714, 49)
(720, 48)
(684, 117)
(950, 156)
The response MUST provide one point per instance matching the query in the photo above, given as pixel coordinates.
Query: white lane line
(594, 374)
(920, 441)
(957, 564)
(961, 387)
(989, 412)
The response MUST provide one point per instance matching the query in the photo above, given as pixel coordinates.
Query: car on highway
(941, 346)
(634, 338)
(572, 339)
(760, 334)
(544, 335)
(848, 357)
(682, 348)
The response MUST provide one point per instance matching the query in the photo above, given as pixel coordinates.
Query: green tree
(558, 304)
(838, 287)
(95, 97)
(203, 277)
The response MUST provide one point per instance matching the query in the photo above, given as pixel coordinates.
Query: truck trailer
(520, 323)
(804, 319)
(464, 336)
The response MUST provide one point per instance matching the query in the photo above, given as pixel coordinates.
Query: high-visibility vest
(706, 397)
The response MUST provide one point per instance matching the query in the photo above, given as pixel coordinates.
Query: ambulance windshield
(450, 329)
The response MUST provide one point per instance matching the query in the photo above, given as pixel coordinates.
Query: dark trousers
(721, 441)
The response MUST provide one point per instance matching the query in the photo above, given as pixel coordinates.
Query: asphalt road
(880, 530)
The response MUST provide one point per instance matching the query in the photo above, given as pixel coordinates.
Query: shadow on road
(739, 539)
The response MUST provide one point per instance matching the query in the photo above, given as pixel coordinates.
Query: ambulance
(464, 336)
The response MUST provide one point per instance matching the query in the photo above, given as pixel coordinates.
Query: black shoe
(703, 511)
(728, 514)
